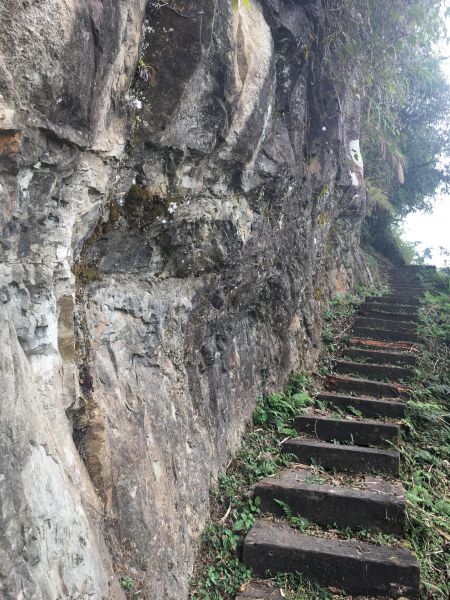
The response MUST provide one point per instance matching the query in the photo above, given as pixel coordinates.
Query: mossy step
(376, 505)
(368, 407)
(374, 323)
(356, 567)
(366, 387)
(392, 372)
(385, 334)
(361, 433)
(380, 357)
(354, 459)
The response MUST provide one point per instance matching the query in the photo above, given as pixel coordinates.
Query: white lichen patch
(355, 152)
(357, 169)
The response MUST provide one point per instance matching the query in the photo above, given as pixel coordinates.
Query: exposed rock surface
(208, 206)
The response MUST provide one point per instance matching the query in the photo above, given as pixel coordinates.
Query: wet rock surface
(171, 233)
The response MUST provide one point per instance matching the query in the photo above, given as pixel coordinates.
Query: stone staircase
(357, 460)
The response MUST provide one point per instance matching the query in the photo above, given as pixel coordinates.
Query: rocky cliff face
(181, 194)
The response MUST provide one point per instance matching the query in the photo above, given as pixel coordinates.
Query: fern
(285, 507)
(440, 389)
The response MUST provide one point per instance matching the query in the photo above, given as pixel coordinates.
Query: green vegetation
(393, 49)
(127, 583)
(426, 445)
(220, 574)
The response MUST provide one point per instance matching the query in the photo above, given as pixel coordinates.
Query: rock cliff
(181, 190)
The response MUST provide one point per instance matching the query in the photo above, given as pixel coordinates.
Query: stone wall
(181, 195)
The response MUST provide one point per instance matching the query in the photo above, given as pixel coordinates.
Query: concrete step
(392, 308)
(379, 357)
(369, 407)
(356, 567)
(377, 505)
(385, 324)
(360, 433)
(354, 459)
(366, 387)
(373, 370)
(385, 335)
(371, 311)
(397, 299)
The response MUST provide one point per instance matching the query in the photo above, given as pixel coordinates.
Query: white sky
(431, 230)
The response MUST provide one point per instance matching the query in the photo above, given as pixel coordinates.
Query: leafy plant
(127, 583)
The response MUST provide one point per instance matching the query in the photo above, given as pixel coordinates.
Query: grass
(426, 445)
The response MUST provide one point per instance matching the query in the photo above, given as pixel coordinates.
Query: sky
(431, 230)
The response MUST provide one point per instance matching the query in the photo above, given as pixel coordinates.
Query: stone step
(260, 591)
(396, 299)
(377, 505)
(356, 567)
(368, 407)
(385, 335)
(360, 433)
(373, 313)
(366, 387)
(385, 345)
(374, 370)
(398, 290)
(392, 308)
(374, 323)
(379, 357)
(354, 459)
(405, 281)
